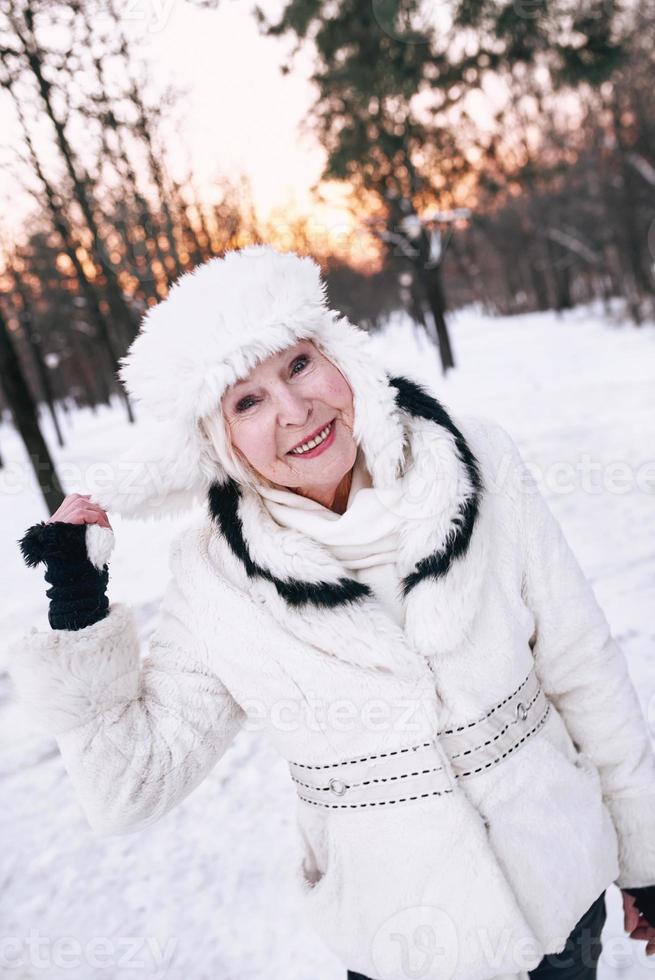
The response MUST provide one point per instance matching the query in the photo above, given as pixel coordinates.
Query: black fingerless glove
(644, 900)
(78, 593)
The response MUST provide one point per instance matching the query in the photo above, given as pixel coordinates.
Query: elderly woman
(472, 766)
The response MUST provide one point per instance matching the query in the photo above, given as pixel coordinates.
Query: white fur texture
(633, 819)
(511, 858)
(99, 544)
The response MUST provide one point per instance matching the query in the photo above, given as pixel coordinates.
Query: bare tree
(23, 409)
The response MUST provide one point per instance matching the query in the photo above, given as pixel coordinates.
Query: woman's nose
(292, 408)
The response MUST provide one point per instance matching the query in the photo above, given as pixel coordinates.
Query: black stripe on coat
(412, 398)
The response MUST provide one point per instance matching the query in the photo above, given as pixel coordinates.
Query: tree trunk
(434, 292)
(34, 343)
(21, 403)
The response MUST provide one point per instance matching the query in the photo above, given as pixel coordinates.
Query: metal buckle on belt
(416, 771)
(479, 745)
(410, 773)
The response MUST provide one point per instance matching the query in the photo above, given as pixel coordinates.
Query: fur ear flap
(99, 544)
(157, 476)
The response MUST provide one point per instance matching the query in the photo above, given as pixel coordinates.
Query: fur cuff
(65, 678)
(63, 541)
(58, 540)
(634, 820)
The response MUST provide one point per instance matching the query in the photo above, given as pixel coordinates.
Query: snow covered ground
(206, 892)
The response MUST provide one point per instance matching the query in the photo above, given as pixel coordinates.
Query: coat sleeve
(584, 673)
(136, 735)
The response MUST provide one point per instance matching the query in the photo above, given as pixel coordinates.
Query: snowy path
(205, 893)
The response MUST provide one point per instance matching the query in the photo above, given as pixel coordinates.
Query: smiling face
(292, 420)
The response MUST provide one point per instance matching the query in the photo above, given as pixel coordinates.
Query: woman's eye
(245, 403)
(302, 361)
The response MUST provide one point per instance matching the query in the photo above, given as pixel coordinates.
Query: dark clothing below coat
(579, 958)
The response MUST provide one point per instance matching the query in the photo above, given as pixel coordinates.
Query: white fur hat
(217, 323)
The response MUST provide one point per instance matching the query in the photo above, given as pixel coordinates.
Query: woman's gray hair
(216, 432)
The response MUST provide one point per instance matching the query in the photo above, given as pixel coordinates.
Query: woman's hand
(77, 508)
(636, 924)
(76, 558)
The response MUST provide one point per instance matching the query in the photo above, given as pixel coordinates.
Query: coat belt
(415, 771)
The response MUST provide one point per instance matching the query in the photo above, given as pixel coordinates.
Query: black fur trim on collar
(223, 502)
(223, 506)
(414, 399)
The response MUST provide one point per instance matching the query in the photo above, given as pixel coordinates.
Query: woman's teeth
(317, 440)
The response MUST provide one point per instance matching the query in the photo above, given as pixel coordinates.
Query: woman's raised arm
(136, 735)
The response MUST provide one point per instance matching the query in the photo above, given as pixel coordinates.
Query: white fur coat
(261, 622)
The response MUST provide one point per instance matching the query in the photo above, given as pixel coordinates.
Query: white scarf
(364, 538)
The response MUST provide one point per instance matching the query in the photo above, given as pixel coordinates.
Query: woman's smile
(316, 444)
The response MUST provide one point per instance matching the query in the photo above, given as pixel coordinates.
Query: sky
(238, 113)
(243, 114)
